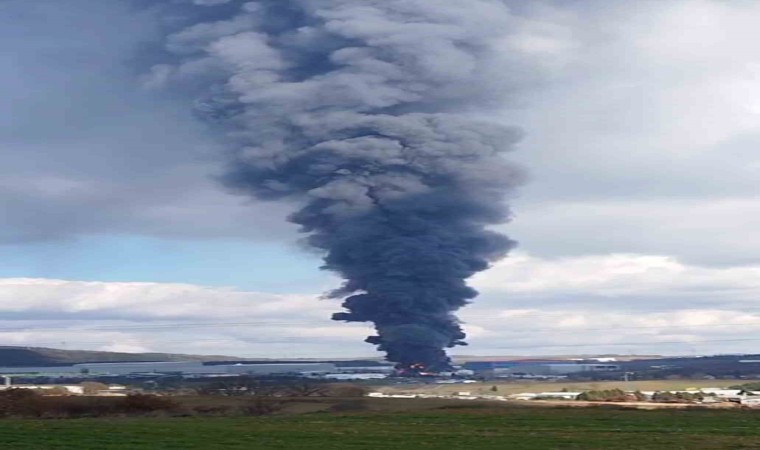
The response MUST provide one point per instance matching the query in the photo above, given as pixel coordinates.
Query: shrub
(607, 395)
(677, 397)
(57, 407)
(261, 406)
(747, 386)
(142, 403)
(350, 406)
(213, 410)
(93, 387)
(639, 396)
(27, 403)
(345, 390)
(305, 389)
(20, 402)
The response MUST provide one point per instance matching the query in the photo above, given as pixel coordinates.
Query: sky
(637, 225)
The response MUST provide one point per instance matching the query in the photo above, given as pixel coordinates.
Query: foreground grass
(501, 428)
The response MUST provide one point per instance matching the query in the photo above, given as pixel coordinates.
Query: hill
(41, 356)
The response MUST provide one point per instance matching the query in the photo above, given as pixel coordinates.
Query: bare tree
(307, 389)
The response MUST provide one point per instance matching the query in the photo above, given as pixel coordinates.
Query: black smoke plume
(366, 113)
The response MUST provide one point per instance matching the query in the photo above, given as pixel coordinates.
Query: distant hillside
(40, 356)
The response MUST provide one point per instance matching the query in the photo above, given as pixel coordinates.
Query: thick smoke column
(362, 111)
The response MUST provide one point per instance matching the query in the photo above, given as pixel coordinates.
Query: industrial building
(184, 368)
(536, 367)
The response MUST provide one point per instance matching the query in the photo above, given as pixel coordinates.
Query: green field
(500, 428)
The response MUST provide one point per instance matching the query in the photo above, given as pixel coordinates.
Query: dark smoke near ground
(364, 112)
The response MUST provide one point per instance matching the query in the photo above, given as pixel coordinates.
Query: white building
(557, 395)
(722, 393)
(354, 376)
(753, 401)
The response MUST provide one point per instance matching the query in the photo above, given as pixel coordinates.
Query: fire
(414, 370)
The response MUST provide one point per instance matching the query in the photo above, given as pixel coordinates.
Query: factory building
(189, 368)
(536, 367)
(386, 369)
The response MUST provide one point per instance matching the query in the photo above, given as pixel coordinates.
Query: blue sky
(642, 123)
(256, 266)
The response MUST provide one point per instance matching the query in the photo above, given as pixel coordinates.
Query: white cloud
(620, 274)
(150, 300)
(721, 230)
(172, 317)
(529, 305)
(590, 331)
(644, 140)
(619, 303)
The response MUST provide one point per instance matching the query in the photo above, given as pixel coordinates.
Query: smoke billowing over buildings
(369, 115)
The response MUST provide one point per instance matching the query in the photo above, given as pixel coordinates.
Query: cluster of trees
(253, 387)
(29, 403)
(747, 386)
(611, 395)
(240, 396)
(618, 395)
(677, 397)
(266, 397)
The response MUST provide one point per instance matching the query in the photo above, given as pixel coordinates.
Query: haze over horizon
(637, 229)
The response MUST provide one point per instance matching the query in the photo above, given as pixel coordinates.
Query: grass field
(453, 428)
